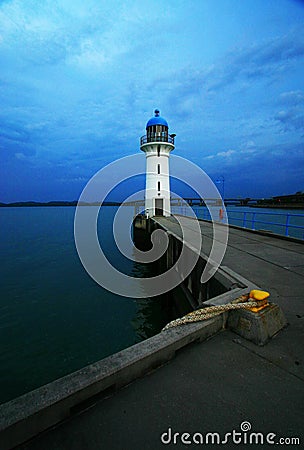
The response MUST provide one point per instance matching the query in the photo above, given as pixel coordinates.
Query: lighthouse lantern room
(157, 144)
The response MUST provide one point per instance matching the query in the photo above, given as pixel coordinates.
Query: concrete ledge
(26, 416)
(257, 327)
(225, 276)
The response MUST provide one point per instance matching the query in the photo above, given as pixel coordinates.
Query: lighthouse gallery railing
(156, 138)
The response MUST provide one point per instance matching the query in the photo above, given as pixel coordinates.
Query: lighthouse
(157, 144)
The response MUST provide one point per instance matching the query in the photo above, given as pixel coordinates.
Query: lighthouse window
(158, 185)
(158, 150)
(158, 168)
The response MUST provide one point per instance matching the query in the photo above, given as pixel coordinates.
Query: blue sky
(79, 80)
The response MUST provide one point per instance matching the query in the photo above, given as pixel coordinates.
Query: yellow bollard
(259, 296)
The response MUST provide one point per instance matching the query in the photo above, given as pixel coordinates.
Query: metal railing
(287, 224)
(156, 138)
(282, 223)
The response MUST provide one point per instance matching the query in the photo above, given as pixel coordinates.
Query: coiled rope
(258, 299)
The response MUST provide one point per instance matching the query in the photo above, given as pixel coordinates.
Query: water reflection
(153, 313)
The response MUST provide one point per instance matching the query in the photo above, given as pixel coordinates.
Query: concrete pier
(213, 385)
(257, 327)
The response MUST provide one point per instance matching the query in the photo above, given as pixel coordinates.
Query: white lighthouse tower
(157, 145)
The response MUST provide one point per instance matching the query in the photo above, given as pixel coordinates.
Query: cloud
(274, 169)
(293, 98)
(263, 60)
(12, 133)
(20, 156)
(71, 179)
(237, 93)
(51, 32)
(291, 119)
(226, 154)
(246, 151)
(248, 147)
(91, 35)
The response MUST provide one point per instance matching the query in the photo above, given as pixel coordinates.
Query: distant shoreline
(56, 203)
(75, 203)
(286, 206)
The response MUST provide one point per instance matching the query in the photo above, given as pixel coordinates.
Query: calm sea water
(54, 318)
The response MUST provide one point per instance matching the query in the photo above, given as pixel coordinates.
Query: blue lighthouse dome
(157, 120)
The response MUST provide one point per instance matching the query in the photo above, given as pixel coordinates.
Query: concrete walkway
(216, 385)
